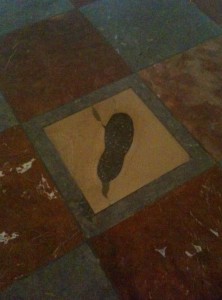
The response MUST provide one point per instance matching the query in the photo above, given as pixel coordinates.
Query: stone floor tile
(35, 225)
(76, 276)
(114, 148)
(172, 248)
(7, 118)
(190, 86)
(145, 32)
(52, 62)
(15, 14)
(213, 8)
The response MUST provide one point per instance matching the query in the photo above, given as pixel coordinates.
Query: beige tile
(79, 140)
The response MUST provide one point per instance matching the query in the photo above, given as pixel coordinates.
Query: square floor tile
(147, 31)
(114, 148)
(53, 62)
(172, 249)
(77, 275)
(35, 225)
(190, 86)
(213, 8)
(15, 14)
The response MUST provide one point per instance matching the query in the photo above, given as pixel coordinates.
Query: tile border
(90, 223)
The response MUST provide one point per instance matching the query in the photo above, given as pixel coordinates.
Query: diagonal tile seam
(69, 8)
(94, 224)
(81, 248)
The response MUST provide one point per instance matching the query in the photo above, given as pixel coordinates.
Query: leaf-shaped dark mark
(119, 133)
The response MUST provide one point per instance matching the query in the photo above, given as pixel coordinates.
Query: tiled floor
(110, 149)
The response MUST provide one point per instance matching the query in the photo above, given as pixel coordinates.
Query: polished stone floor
(110, 149)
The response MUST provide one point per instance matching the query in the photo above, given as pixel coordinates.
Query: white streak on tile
(189, 254)
(214, 232)
(198, 221)
(162, 251)
(44, 189)
(25, 167)
(5, 237)
(197, 248)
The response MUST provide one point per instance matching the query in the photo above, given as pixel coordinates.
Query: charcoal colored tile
(15, 14)
(35, 225)
(213, 8)
(114, 148)
(80, 3)
(172, 249)
(7, 118)
(53, 62)
(77, 275)
(189, 84)
(145, 32)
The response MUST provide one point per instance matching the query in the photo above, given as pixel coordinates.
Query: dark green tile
(15, 14)
(145, 32)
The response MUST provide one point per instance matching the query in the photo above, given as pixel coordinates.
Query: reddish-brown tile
(35, 225)
(213, 8)
(172, 249)
(51, 63)
(190, 85)
(80, 3)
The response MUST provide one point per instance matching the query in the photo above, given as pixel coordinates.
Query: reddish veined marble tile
(190, 84)
(35, 225)
(53, 62)
(172, 249)
(213, 8)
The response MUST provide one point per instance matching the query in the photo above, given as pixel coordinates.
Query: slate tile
(35, 225)
(213, 8)
(7, 118)
(145, 32)
(114, 148)
(190, 86)
(15, 14)
(172, 249)
(76, 275)
(53, 62)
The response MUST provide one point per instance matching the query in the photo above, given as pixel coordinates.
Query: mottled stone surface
(213, 8)
(51, 63)
(77, 275)
(190, 84)
(172, 249)
(146, 31)
(15, 14)
(80, 142)
(35, 225)
(7, 118)
(80, 3)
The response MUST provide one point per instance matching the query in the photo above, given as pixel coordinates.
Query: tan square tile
(138, 150)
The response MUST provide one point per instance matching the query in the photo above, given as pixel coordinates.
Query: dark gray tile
(75, 276)
(15, 14)
(146, 31)
(7, 118)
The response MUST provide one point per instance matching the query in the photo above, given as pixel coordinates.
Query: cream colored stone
(79, 140)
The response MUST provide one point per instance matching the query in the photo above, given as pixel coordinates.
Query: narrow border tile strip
(94, 224)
